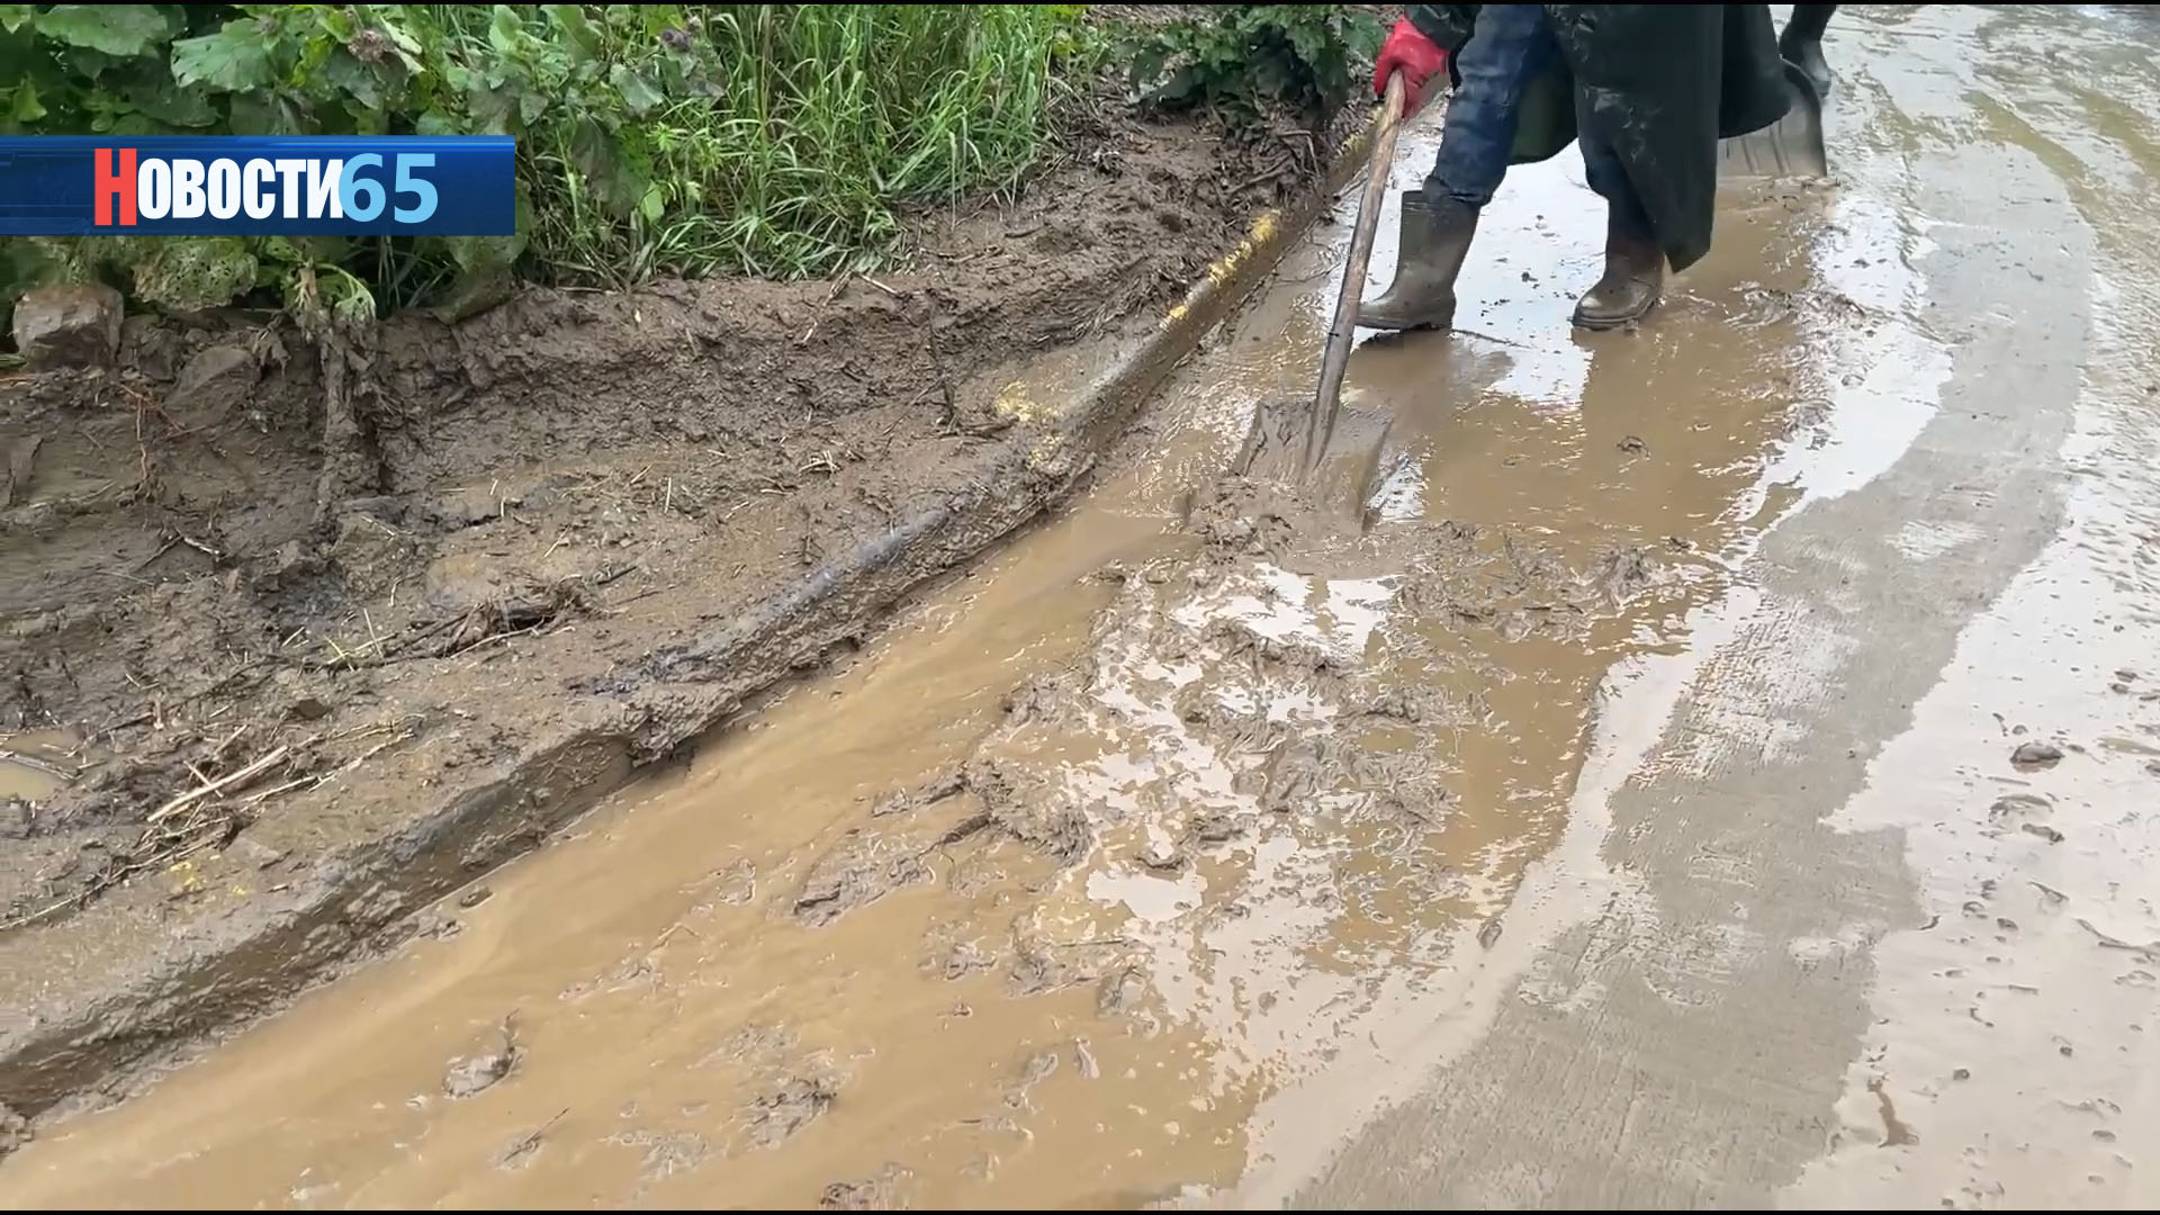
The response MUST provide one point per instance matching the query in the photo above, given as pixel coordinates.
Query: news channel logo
(231, 185)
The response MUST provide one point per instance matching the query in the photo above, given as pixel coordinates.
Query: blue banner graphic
(234, 185)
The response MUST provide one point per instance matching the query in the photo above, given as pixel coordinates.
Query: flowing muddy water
(1603, 824)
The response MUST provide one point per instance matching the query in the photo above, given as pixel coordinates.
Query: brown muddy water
(1626, 817)
(33, 763)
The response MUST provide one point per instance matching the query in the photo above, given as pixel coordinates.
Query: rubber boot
(1801, 44)
(1436, 232)
(1634, 274)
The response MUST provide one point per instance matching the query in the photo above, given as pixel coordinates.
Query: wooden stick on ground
(230, 780)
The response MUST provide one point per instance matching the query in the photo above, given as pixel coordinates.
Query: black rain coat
(1662, 83)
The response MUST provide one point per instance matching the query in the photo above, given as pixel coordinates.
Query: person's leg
(1801, 44)
(1634, 263)
(1509, 46)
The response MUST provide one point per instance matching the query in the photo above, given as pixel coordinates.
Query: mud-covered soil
(260, 596)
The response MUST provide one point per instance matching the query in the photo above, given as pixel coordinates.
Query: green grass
(778, 141)
(830, 119)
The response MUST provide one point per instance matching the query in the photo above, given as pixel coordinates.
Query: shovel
(1790, 147)
(1312, 446)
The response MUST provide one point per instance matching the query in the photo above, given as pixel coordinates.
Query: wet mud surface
(1714, 769)
(244, 644)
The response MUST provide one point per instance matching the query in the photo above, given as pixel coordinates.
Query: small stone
(1963, 1073)
(68, 326)
(477, 1073)
(1215, 828)
(2036, 755)
(2050, 834)
(474, 897)
(220, 377)
(1161, 859)
(480, 1072)
(257, 854)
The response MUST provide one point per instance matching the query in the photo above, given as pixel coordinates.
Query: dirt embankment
(255, 652)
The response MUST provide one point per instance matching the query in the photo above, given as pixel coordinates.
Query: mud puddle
(33, 764)
(1065, 888)
(1171, 854)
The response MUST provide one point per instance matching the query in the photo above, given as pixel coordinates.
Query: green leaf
(253, 114)
(477, 253)
(189, 274)
(403, 38)
(149, 88)
(654, 205)
(15, 16)
(125, 30)
(356, 79)
(334, 22)
(638, 93)
(233, 60)
(584, 39)
(491, 110)
(506, 33)
(26, 107)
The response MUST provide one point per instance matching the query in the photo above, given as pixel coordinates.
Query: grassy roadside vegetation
(778, 141)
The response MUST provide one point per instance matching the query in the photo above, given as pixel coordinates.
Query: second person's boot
(1436, 232)
(1801, 44)
(1634, 273)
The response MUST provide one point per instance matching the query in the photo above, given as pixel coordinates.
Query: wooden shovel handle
(1336, 361)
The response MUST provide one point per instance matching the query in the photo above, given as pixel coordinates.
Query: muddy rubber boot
(1436, 236)
(1801, 44)
(1634, 275)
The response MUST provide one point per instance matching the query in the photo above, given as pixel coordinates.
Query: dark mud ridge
(306, 634)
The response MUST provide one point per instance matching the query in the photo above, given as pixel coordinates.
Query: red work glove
(1416, 57)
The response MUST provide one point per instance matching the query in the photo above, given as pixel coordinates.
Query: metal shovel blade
(1790, 147)
(1341, 481)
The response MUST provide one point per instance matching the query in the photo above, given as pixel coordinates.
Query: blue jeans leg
(1508, 47)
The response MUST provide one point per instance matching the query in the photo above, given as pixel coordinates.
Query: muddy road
(1628, 816)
